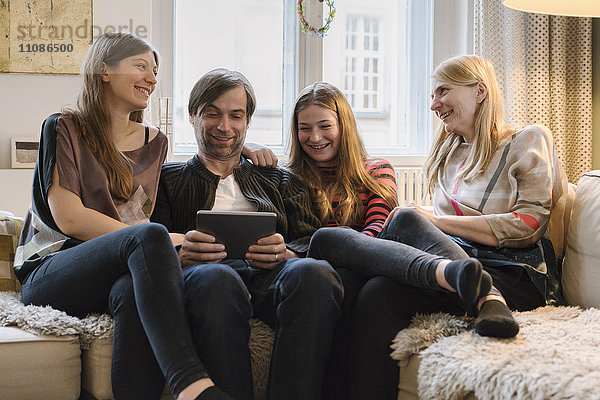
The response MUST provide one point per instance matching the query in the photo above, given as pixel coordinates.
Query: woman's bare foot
(195, 389)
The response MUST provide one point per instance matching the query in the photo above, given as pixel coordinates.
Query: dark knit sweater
(185, 188)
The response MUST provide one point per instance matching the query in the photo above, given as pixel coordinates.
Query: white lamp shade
(571, 8)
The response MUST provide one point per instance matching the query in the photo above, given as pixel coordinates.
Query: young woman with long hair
(87, 245)
(353, 190)
(327, 153)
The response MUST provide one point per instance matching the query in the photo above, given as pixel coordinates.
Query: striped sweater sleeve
(377, 208)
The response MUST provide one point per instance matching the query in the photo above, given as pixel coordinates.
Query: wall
(15, 190)
(26, 100)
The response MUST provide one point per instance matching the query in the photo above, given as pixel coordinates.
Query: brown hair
(349, 160)
(92, 116)
(216, 82)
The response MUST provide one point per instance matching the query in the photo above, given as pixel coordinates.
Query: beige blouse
(515, 194)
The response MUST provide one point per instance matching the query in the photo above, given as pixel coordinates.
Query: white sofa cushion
(581, 267)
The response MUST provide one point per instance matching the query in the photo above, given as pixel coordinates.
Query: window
(378, 53)
(362, 56)
(385, 49)
(240, 35)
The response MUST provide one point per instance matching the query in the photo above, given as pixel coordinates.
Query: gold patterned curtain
(544, 65)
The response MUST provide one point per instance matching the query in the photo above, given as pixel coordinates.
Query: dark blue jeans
(86, 278)
(301, 301)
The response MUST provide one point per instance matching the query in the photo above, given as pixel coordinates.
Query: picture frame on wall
(45, 37)
(23, 151)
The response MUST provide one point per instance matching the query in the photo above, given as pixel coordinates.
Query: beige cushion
(10, 229)
(95, 374)
(407, 384)
(581, 267)
(559, 221)
(38, 367)
(96, 367)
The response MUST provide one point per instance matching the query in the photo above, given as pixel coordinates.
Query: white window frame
(351, 54)
(452, 33)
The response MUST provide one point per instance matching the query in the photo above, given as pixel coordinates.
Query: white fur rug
(556, 355)
(48, 321)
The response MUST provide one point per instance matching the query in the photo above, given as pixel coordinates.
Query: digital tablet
(237, 230)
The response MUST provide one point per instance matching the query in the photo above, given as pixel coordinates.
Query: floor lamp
(571, 8)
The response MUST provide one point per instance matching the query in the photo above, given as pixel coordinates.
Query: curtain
(544, 67)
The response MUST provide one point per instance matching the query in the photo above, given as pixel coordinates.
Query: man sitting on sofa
(299, 297)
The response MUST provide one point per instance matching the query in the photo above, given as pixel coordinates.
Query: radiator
(412, 187)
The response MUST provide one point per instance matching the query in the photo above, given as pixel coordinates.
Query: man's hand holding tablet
(200, 248)
(235, 234)
(269, 252)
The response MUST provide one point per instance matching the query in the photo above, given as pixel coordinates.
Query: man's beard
(232, 149)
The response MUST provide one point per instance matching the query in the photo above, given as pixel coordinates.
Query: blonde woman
(87, 246)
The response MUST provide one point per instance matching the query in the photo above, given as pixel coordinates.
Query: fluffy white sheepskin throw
(554, 356)
(48, 321)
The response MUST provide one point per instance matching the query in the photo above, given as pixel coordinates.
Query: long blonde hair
(349, 160)
(468, 70)
(92, 116)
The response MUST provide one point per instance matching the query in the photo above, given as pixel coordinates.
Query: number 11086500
(45, 48)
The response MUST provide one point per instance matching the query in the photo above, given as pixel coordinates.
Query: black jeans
(407, 250)
(302, 302)
(85, 278)
(386, 283)
(300, 299)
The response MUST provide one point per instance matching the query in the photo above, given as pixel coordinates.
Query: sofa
(47, 354)
(554, 356)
